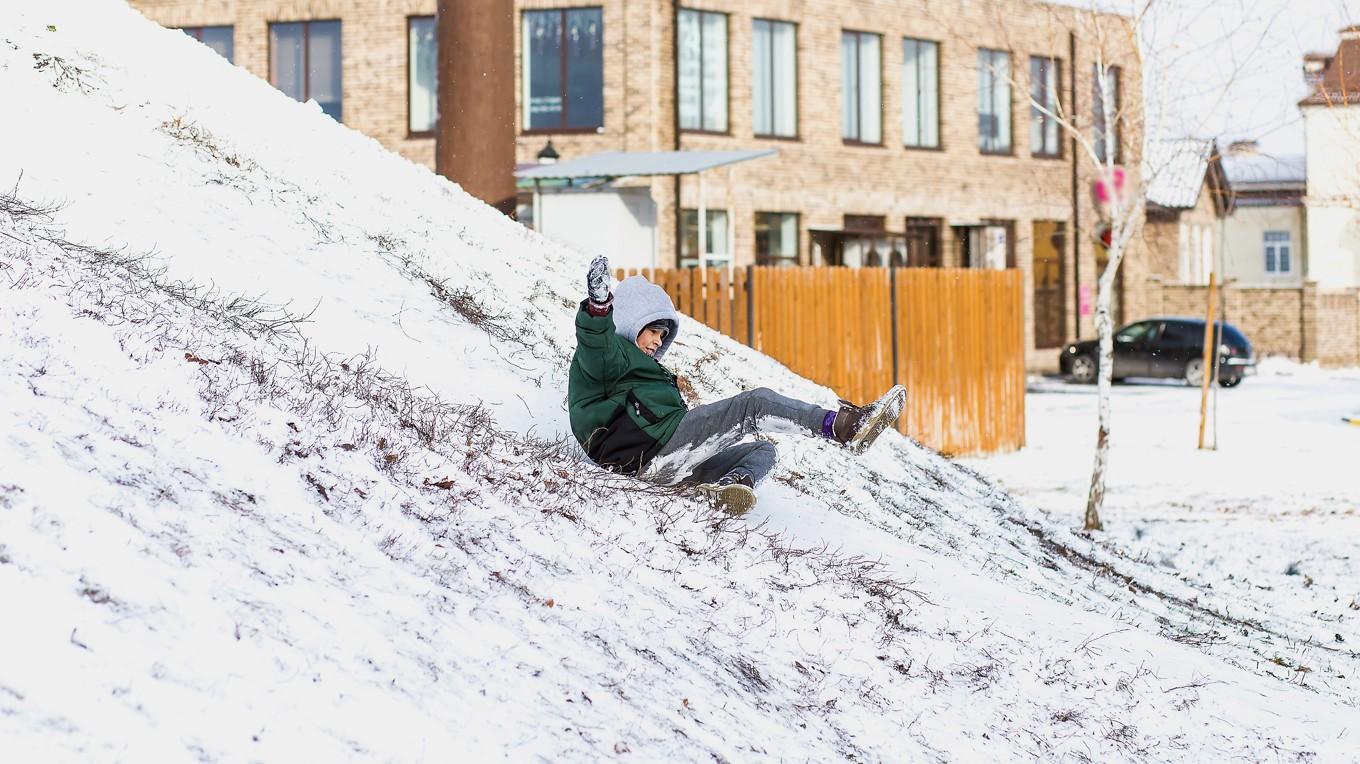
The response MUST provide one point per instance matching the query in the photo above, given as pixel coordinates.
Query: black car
(1163, 347)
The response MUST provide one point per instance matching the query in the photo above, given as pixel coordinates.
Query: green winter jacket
(623, 405)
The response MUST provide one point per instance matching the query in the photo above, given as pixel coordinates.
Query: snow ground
(280, 480)
(1271, 516)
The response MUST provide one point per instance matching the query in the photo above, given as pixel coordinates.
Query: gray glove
(597, 280)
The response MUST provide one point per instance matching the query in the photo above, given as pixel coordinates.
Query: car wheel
(1084, 369)
(1194, 372)
(1230, 381)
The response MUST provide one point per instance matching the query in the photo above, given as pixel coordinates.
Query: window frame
(1053, 106)
(1271, 247)
(859, 90)
(939, 98)
(196, 32)
(432, 131)
(698, 257)
(782, 260)
(562, 129)
(1098, 126)
(1009, 151)
(306, 57)
(797, 115)
(727, 75)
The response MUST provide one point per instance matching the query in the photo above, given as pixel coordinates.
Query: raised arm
(599, 353)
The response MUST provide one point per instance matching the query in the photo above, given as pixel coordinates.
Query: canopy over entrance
(609, 165)
(624, 164)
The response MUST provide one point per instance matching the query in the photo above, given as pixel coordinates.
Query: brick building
(905, 130)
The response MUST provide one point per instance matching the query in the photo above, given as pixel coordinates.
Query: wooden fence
(953, 337)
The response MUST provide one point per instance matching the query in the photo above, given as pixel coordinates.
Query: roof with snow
(1262, 170)
(621, 164)
(1177, 169)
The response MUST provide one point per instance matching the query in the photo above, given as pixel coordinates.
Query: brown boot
(857, 427)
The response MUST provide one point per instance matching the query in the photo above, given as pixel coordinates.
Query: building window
(994, 101)
(1278, 244)
(716, 253)
(861, 88)
(920, 93)
(1106, 87)
(774, 85)
(563, 69)
(220, 39)
(1196, 244)
(422, 57)
(1045, 83)
(702, 86)
(304, 62)
(776, 238)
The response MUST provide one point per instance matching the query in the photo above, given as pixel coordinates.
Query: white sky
(1232, 69)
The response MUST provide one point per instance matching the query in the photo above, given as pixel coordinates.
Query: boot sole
(735, 499)
(884, 412)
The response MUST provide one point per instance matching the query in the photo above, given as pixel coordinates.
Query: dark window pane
(776, 238)
(219, 39)
(422, 57)
(323, 66)
(584, 40)
(286, 54)
(543, 71)
(690, 69)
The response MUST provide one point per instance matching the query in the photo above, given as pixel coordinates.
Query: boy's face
(649, 340)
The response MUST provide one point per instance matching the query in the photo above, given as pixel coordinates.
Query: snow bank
(284, 478)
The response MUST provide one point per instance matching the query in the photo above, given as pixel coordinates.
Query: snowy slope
(281, 476)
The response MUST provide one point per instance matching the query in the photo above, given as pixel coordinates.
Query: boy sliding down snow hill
(627, 413)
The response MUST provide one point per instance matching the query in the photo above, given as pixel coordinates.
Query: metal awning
(622, 164)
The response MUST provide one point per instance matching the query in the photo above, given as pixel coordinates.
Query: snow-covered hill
(282, 477)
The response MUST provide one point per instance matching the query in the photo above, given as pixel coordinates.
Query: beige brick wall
(815, 175)
(1303, 323)
(1338, 327)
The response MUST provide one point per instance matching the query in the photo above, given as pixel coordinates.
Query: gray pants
(707, 444)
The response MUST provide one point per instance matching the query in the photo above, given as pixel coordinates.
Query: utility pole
(475, 135)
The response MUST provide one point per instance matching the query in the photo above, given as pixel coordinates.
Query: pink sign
(1084, 306)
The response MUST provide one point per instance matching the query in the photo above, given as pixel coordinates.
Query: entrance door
(1049, 241)
(923, 243)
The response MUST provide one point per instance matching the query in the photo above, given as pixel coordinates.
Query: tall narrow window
(563, 83)
(1045, 83)
(920, 93)
(304, 62)
(716, 250)
(994, 101)
(1106, 91)
(422, 57)
(774, 83)
(1277, 244)
(220, 39)
(776, 238)
(702, 86)
(861, 88)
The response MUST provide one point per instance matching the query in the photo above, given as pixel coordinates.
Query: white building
(1331, 115)
(1264, 237)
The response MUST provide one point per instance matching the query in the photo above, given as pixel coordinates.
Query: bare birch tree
(1117, 173)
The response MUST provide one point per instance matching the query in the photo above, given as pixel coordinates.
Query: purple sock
(828, 425)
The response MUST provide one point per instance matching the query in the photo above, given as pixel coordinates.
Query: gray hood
(638, 302)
